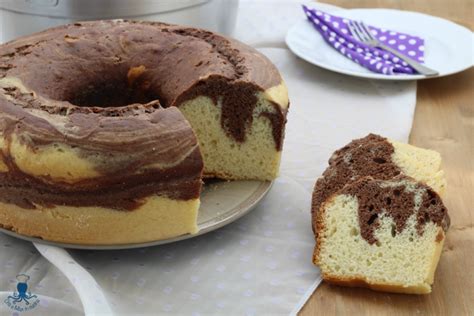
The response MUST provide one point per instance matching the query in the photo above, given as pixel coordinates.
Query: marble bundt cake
(379, 158)
(383, 234)
(107, 127)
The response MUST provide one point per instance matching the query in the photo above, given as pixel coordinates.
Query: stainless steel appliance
(21, 17)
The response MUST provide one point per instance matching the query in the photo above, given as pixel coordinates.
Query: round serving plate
(449, 47)
(222, 202)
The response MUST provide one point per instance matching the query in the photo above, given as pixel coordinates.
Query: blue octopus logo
(22, 300)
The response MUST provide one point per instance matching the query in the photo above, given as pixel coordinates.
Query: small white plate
(222, 202)
(449, 47)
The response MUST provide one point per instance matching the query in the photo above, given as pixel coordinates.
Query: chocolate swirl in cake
(368, 156)
(99, 87)
(86, 64)
(399, 199)
(156, 146)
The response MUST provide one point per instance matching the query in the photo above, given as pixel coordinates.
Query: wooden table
(444, 121)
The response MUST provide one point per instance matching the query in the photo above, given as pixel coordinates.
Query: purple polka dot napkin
(335, 31)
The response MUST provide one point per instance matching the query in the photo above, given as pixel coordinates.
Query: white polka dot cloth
(336, 33)
(259, 265)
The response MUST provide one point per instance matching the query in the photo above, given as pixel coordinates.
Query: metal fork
(363, 34)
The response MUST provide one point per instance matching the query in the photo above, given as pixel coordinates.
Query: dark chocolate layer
(120, 192)
(368, 156)
(398, 198)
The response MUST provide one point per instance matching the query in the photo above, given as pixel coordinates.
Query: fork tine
(355, 32)
(351, 28)
(366, 30)
(361, 32)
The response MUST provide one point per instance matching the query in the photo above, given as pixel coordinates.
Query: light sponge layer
(49, 161)
(403, 262)
(421, 164)
(256, 158)
(158, 218)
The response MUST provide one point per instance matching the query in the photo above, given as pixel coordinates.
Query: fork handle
(415, 65)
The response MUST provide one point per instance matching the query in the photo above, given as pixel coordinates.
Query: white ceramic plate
(222, 202)
(449, 47)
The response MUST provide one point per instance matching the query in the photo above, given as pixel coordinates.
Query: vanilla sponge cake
(383, 234)
(380, 158)
(107, 128)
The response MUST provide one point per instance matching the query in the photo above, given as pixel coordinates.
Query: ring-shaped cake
(108, 127)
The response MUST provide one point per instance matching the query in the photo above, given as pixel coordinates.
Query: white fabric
(90, 293)
(259, 265)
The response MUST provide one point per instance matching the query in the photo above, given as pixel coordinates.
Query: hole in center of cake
(123, 89)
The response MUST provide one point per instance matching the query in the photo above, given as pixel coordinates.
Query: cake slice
(380, 158)
(383, 234)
